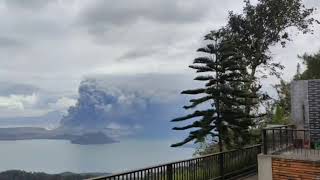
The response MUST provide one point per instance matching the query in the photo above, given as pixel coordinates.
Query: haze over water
(56, 156)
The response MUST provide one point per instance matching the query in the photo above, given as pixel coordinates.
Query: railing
(225, 165)
(288, 141)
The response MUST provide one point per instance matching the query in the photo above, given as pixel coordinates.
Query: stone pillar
(264, 167)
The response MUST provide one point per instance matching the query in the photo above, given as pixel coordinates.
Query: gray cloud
(133, 26)
(138, 53)
(7, 88)
(142, 23)
(60, 42)
(29, 4)
(312, 2)
(101, 13)
(25, 100)
(150, 84)
(6, 42)
(127, 102)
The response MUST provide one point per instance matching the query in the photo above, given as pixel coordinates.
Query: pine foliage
(223, 96)
(235, 59)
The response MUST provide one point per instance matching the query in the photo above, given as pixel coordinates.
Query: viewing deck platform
(289, 154)
(234, 164)
(253, 177)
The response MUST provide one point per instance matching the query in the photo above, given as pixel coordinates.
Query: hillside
(23, 175)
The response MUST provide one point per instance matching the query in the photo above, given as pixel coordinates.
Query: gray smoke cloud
(138, 104)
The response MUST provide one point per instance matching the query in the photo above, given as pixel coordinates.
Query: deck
(255, 177)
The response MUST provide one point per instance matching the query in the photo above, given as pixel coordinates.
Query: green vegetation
(237, 57)
(312, 63)
(22, 175)
(281, 107)
(224, 93)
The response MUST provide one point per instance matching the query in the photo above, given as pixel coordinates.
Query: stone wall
(299, 104)
(289, 169)
(314, 108)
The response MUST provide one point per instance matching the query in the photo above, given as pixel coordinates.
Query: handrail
(276, 140)
(281, 126)
(168, 166)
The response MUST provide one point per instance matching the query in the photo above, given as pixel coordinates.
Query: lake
(56, 156)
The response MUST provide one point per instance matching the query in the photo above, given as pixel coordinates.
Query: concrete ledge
(264, 167)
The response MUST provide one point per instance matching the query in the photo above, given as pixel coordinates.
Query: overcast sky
(48, 46)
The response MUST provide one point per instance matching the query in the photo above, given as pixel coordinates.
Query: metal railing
(291, 141)
(224, 165)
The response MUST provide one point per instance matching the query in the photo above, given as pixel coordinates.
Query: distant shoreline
(24, 175)
(30, 133)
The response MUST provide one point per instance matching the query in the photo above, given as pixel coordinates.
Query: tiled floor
(251, 178)
(304, 154)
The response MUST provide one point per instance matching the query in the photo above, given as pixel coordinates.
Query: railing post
(280, 144)
(273, 141)
(169, 172)
(265, 141)
(221, 164)
(259, 149)
(287, 138)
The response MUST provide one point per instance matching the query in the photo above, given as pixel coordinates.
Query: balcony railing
(224, 165)
(291, 142)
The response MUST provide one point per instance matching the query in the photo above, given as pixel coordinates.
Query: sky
(49, 46)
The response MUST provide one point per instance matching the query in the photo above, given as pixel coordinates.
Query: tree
(279, 116)
(282, 105)
(262, 26)
(283, 91)
(224, 94)
(235, 102)
(297, 76)
(312, 63)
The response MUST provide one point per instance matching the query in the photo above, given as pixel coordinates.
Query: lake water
(55, 156)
